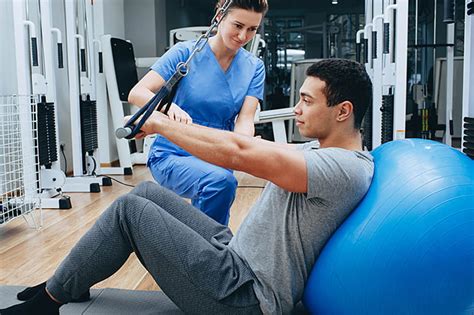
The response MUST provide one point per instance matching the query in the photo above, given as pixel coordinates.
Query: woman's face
(238, 27)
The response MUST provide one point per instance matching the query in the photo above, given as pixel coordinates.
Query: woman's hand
(177, 114)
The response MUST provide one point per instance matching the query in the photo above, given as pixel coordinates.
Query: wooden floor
(29, 256)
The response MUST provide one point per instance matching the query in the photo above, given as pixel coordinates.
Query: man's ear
(345, 111)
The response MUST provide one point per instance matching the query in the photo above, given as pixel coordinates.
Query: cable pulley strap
(132, 127)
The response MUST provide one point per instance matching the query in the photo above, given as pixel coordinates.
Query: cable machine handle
(366, 50)
(60, 56)
(101, 63)
(374, 44)
(358, 51)
(83, 60)
(130, 130)
(386, 38)
(34, 51)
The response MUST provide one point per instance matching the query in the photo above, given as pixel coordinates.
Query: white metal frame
(377, 72)
(395, 73)
(52, 179)
(77, 84)
(24, 88)
(384, 73)
(468, 91)
(18, 161)
(450, 33)
(23, 73)
(126, 158)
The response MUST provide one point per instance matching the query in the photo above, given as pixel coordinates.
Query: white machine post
(468, 92)
(395, 69)
(377, 28)
(24, 89)
(401, 51)
(52, 179)
(116, 105)
(450, 34)
(77, 84)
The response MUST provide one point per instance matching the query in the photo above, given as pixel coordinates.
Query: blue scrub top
(211, 96)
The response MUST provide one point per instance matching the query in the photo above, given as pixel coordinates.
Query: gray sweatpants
(184, 250)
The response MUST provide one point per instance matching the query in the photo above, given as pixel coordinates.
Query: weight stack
(367, 128)
(48, 152)
(89, 126)
(468, 137)
(387, 117)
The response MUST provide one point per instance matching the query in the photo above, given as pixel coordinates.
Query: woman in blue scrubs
(222, 90)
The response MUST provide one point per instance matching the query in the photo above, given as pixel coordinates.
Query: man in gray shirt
(197, 262)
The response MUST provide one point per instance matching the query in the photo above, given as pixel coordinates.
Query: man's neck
(352, 141)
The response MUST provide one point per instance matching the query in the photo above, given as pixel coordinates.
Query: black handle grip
(34, 51)
(374, 45)
(101, 64)
(470, 8)
(83, 60)
(386, 38)
(358, 51)
(449, 8)
(366, 50)
(60, 56)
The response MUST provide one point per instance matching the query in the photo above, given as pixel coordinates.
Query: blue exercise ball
(408, 248)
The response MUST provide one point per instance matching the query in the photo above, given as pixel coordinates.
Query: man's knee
(142, 188)
(126, 207)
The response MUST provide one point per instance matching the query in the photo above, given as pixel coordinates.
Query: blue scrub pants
(211, 188)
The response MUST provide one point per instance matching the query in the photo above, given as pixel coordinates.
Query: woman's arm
(146, 88)
(245, 120)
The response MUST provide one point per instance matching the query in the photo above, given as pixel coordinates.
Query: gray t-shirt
(284, 232)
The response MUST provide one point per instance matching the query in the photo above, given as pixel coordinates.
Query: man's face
(314, 118)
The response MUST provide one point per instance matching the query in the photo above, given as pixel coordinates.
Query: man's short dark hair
(346, 80)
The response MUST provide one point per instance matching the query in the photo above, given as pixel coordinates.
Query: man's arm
(277, 163)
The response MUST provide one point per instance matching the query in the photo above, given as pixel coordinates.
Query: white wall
(140, 26)
(8, 80)
(114, 17)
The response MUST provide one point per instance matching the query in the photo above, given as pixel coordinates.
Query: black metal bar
(449, 9)
(374, 45)
(358, 51)
(101, 64)
(430, 45)
(34, 51)
(366, 50)
(83, 60)
(386, 37)
(60, 56)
